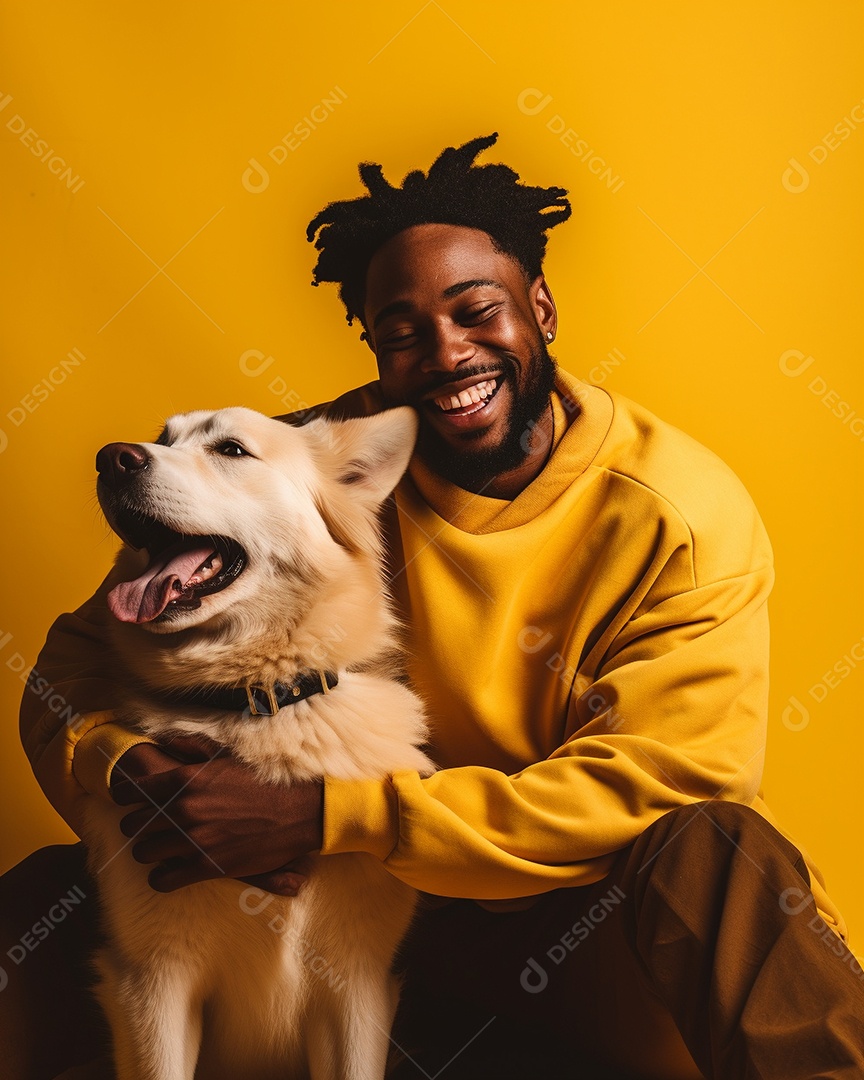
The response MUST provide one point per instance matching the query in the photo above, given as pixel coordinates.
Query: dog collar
(256, 699)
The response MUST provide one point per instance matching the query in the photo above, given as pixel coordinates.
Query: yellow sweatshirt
(592, 653)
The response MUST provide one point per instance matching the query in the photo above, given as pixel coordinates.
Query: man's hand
(206, 815)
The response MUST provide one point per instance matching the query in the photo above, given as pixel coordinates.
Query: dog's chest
(353, 887)
(255, 962)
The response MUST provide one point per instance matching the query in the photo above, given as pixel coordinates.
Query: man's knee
(48, 926)
(28, 889)
(717, 829)
(700, 822)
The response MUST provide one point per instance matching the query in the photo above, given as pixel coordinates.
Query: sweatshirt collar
(583, 415)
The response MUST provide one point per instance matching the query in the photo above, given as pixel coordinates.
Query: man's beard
(474, 468)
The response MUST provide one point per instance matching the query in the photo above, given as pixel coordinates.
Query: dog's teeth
(208, 569)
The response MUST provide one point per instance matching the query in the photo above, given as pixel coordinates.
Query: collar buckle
(256, 706)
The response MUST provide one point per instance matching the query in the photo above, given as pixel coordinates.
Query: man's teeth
(472, 396)
(208, 569)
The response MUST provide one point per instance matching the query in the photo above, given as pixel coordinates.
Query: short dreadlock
(455, 191)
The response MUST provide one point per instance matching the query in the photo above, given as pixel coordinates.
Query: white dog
(252, 569)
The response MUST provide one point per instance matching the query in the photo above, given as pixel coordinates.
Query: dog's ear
(372, 452)
(363, 459)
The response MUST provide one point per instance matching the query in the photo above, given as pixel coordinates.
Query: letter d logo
(532, 101)
(253, 901)
(793, 901)
(795, 716)
(260, 365)
(796, 178)
(788, 365)
(256, 178)
(526, 978)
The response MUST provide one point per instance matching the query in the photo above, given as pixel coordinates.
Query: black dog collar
(257, 699)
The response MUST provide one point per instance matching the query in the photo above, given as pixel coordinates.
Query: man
(585, 591)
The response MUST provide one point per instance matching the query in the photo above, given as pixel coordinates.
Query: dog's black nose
(118, 462)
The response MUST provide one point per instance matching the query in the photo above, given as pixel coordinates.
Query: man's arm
(77, 750)
(676, 714)
(67, 710)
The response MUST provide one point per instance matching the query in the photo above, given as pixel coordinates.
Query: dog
(252, 568)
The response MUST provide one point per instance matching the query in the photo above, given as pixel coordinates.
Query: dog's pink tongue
(164, 580)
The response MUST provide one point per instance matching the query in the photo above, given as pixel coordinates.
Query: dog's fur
(219, 980)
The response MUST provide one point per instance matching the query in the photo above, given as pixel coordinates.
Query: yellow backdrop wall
(161, 165)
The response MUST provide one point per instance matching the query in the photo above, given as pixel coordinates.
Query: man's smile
(476, 393)
(475, 416)
(459, 402)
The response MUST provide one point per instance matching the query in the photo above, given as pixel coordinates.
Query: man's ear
(367, 337)
(362, 461)
(543, 304)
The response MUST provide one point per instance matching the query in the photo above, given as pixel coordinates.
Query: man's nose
(449, 346)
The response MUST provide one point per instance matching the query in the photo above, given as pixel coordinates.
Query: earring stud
(549, 335)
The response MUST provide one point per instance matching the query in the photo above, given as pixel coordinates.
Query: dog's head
(231, 513)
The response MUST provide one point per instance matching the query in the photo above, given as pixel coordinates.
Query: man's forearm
(70, 692)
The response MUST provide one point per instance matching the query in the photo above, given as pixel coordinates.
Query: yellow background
(691, 276)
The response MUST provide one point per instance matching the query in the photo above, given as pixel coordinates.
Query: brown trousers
(700, 954)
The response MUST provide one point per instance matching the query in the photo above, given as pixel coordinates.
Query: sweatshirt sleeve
(67, 710)
(675, 713)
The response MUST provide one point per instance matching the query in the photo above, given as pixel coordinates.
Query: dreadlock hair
(455, 191)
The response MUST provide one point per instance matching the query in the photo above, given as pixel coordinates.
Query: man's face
(459, 333)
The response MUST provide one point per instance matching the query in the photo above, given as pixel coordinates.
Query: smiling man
(462, 346)
(584, 589)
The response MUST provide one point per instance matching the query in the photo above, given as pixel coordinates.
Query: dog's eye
(229, 448)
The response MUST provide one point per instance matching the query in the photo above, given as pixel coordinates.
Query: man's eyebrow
(464, 286)
(398, 307)
(402, 307)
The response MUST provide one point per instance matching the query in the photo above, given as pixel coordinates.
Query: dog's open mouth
(182, 569)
